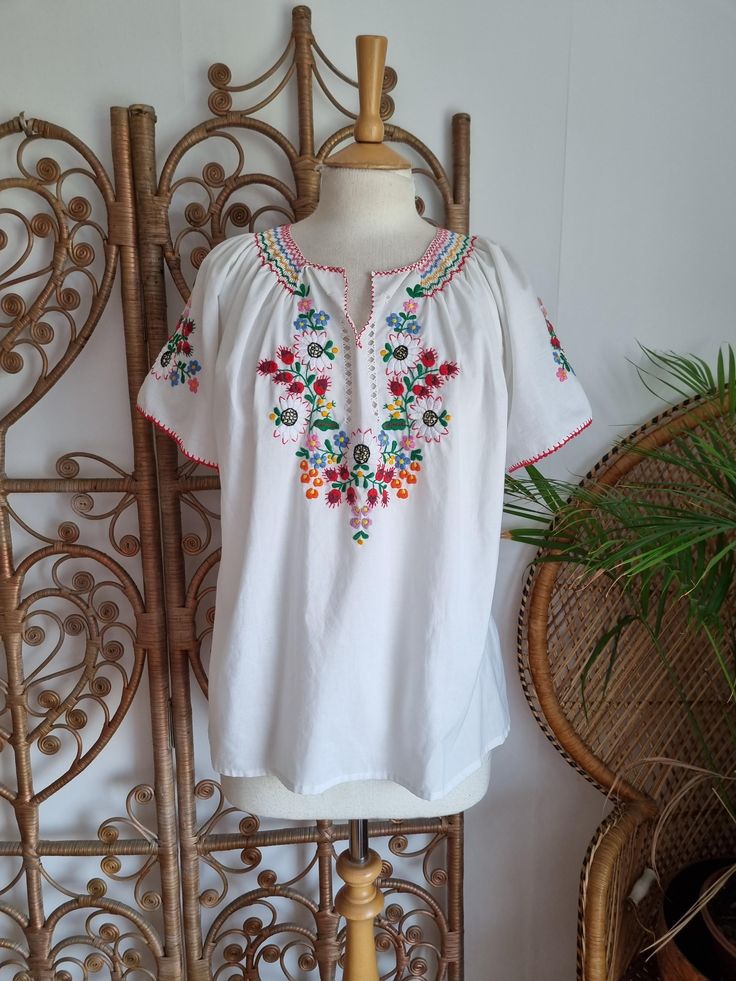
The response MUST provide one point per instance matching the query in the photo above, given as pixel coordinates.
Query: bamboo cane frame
(38, 925)
(137, 241)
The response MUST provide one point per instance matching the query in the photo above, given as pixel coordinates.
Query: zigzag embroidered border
(448, 259)
(443, 259)
(276, 253)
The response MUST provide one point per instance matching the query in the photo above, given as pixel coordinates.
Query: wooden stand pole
(359, 901)
(369, 151)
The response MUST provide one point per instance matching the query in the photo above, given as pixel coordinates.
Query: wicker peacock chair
(640, 716)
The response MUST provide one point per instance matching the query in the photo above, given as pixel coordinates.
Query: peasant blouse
(362, 477)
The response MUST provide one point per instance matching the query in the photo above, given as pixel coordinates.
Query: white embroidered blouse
(362, 478)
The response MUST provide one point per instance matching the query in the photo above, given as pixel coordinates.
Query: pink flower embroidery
(177, 357)
(360, 518)
(361, 468)
(558, 355)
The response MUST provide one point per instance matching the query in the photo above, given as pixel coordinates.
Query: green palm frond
(679, 533)
(693, 373)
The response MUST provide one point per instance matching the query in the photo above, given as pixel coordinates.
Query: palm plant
(659, 542)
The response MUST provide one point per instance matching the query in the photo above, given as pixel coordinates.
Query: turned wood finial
(368, 150)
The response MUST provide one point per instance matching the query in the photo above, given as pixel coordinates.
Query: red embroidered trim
(177, 438)
(555, 446)
(289, 248)
(428, 254)
(345, 304)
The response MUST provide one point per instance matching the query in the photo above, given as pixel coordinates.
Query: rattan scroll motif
(74, 624)
(640, 717)
(239, 916)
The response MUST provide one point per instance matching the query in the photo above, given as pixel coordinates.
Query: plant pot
(672, 963)
(718, 917)
(690, 955)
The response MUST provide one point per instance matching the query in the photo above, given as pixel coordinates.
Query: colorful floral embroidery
(414, 373)
(443, 260)
(302, 369)
(407, 319)
(360, 468)
(558, 355)
(179, 347)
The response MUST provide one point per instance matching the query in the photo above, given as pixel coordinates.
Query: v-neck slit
(372, 491)
(442, 260)
(425, 257)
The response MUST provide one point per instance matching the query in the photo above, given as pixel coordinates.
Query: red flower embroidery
(267, 367)
(558, 355)
(177, 370)
(361, 468)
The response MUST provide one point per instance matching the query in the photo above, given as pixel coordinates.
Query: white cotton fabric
(337, 658)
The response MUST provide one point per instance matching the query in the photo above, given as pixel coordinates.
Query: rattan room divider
(162, 920)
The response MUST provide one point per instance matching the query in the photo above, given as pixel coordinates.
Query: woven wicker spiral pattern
(187, 885)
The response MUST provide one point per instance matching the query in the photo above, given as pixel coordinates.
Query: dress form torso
(366, 220)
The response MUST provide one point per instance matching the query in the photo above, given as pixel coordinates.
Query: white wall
(603, 141)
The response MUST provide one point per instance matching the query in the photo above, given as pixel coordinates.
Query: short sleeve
(547, 405)
(177, 394)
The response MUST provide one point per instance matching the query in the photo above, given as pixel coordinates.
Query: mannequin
(366, 219)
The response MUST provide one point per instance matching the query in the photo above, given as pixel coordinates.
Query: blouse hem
(305, 790)
(176, 437)
(551, 449)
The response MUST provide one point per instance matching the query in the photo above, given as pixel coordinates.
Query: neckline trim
(443, 258)
(424, 258)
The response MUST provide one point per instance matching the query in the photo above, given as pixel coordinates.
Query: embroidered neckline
(423, 258)
(359, 466)
(441, 260)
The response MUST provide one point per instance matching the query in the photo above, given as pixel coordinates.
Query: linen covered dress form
(362, 477)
